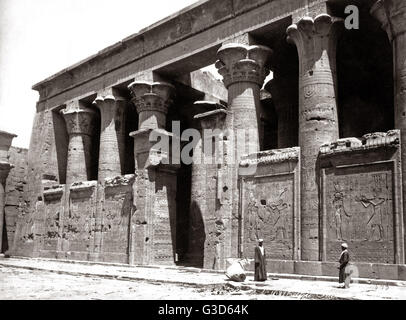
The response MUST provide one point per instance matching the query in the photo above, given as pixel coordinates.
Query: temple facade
(323, 163)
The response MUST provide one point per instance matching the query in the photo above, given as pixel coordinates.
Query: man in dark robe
(260, 262)
(344, 278)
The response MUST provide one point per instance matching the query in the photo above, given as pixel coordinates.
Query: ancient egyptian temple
(325, 106)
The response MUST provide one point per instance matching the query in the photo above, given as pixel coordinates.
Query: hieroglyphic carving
(118, 207)
(78, 222)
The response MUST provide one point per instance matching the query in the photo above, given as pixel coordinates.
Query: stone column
(80, 126)
(244, 69)
(112, 135)
(392, 15)
(284, 92)
(202, 199)
(154, 221)
(318, 121)
(5, 167)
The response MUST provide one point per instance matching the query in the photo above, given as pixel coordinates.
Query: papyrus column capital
(392, 15)
(79, 118)
(316, 40)
(108, 102)
(152, 101)
(243, 63)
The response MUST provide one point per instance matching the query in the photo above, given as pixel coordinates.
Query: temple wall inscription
(269, 215)
(359, 211)
(118, 207)
(269, 205)
(361, 202)
(78, 222)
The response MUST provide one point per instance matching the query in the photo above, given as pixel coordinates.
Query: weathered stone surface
(112, 138)
(152, 101)
(5, 167)
(270, 203)
(80, 122)
(360, 205)
(316, 42)
(203, 206)
(82, 199)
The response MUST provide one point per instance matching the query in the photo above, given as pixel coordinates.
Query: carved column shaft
(392, 15)
(80, 126)
(318, 121)
(155, 185)
(203, 184)
(244, 69)
(112, 136)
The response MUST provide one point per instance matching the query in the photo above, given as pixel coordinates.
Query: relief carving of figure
(280, 217)
(253, 223)
(375, 229)
(267, 211)
(339, 212)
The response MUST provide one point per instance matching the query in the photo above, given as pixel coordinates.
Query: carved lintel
(271, 156)
(243, 63)
(200, 107)
(212, 120)
(84, 189)
(54, 193)
(369, 141)
(126, 180)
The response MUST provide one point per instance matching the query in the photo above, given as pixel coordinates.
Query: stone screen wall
(269, 214)
(270, 205)
(50, 224)
(77, 234)
(361, 198)
(360, 211)
(117, 216)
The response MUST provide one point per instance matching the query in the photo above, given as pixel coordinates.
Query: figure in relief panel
(375, 229)
(339, 212)
(279, 214)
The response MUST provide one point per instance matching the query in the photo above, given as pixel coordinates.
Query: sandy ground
(42, 285)
(55, 279)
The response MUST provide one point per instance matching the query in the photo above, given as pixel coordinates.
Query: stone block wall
(361, 198)
(270, 204)
(16, 184)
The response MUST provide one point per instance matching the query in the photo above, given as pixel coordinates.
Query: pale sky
(41, 37)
